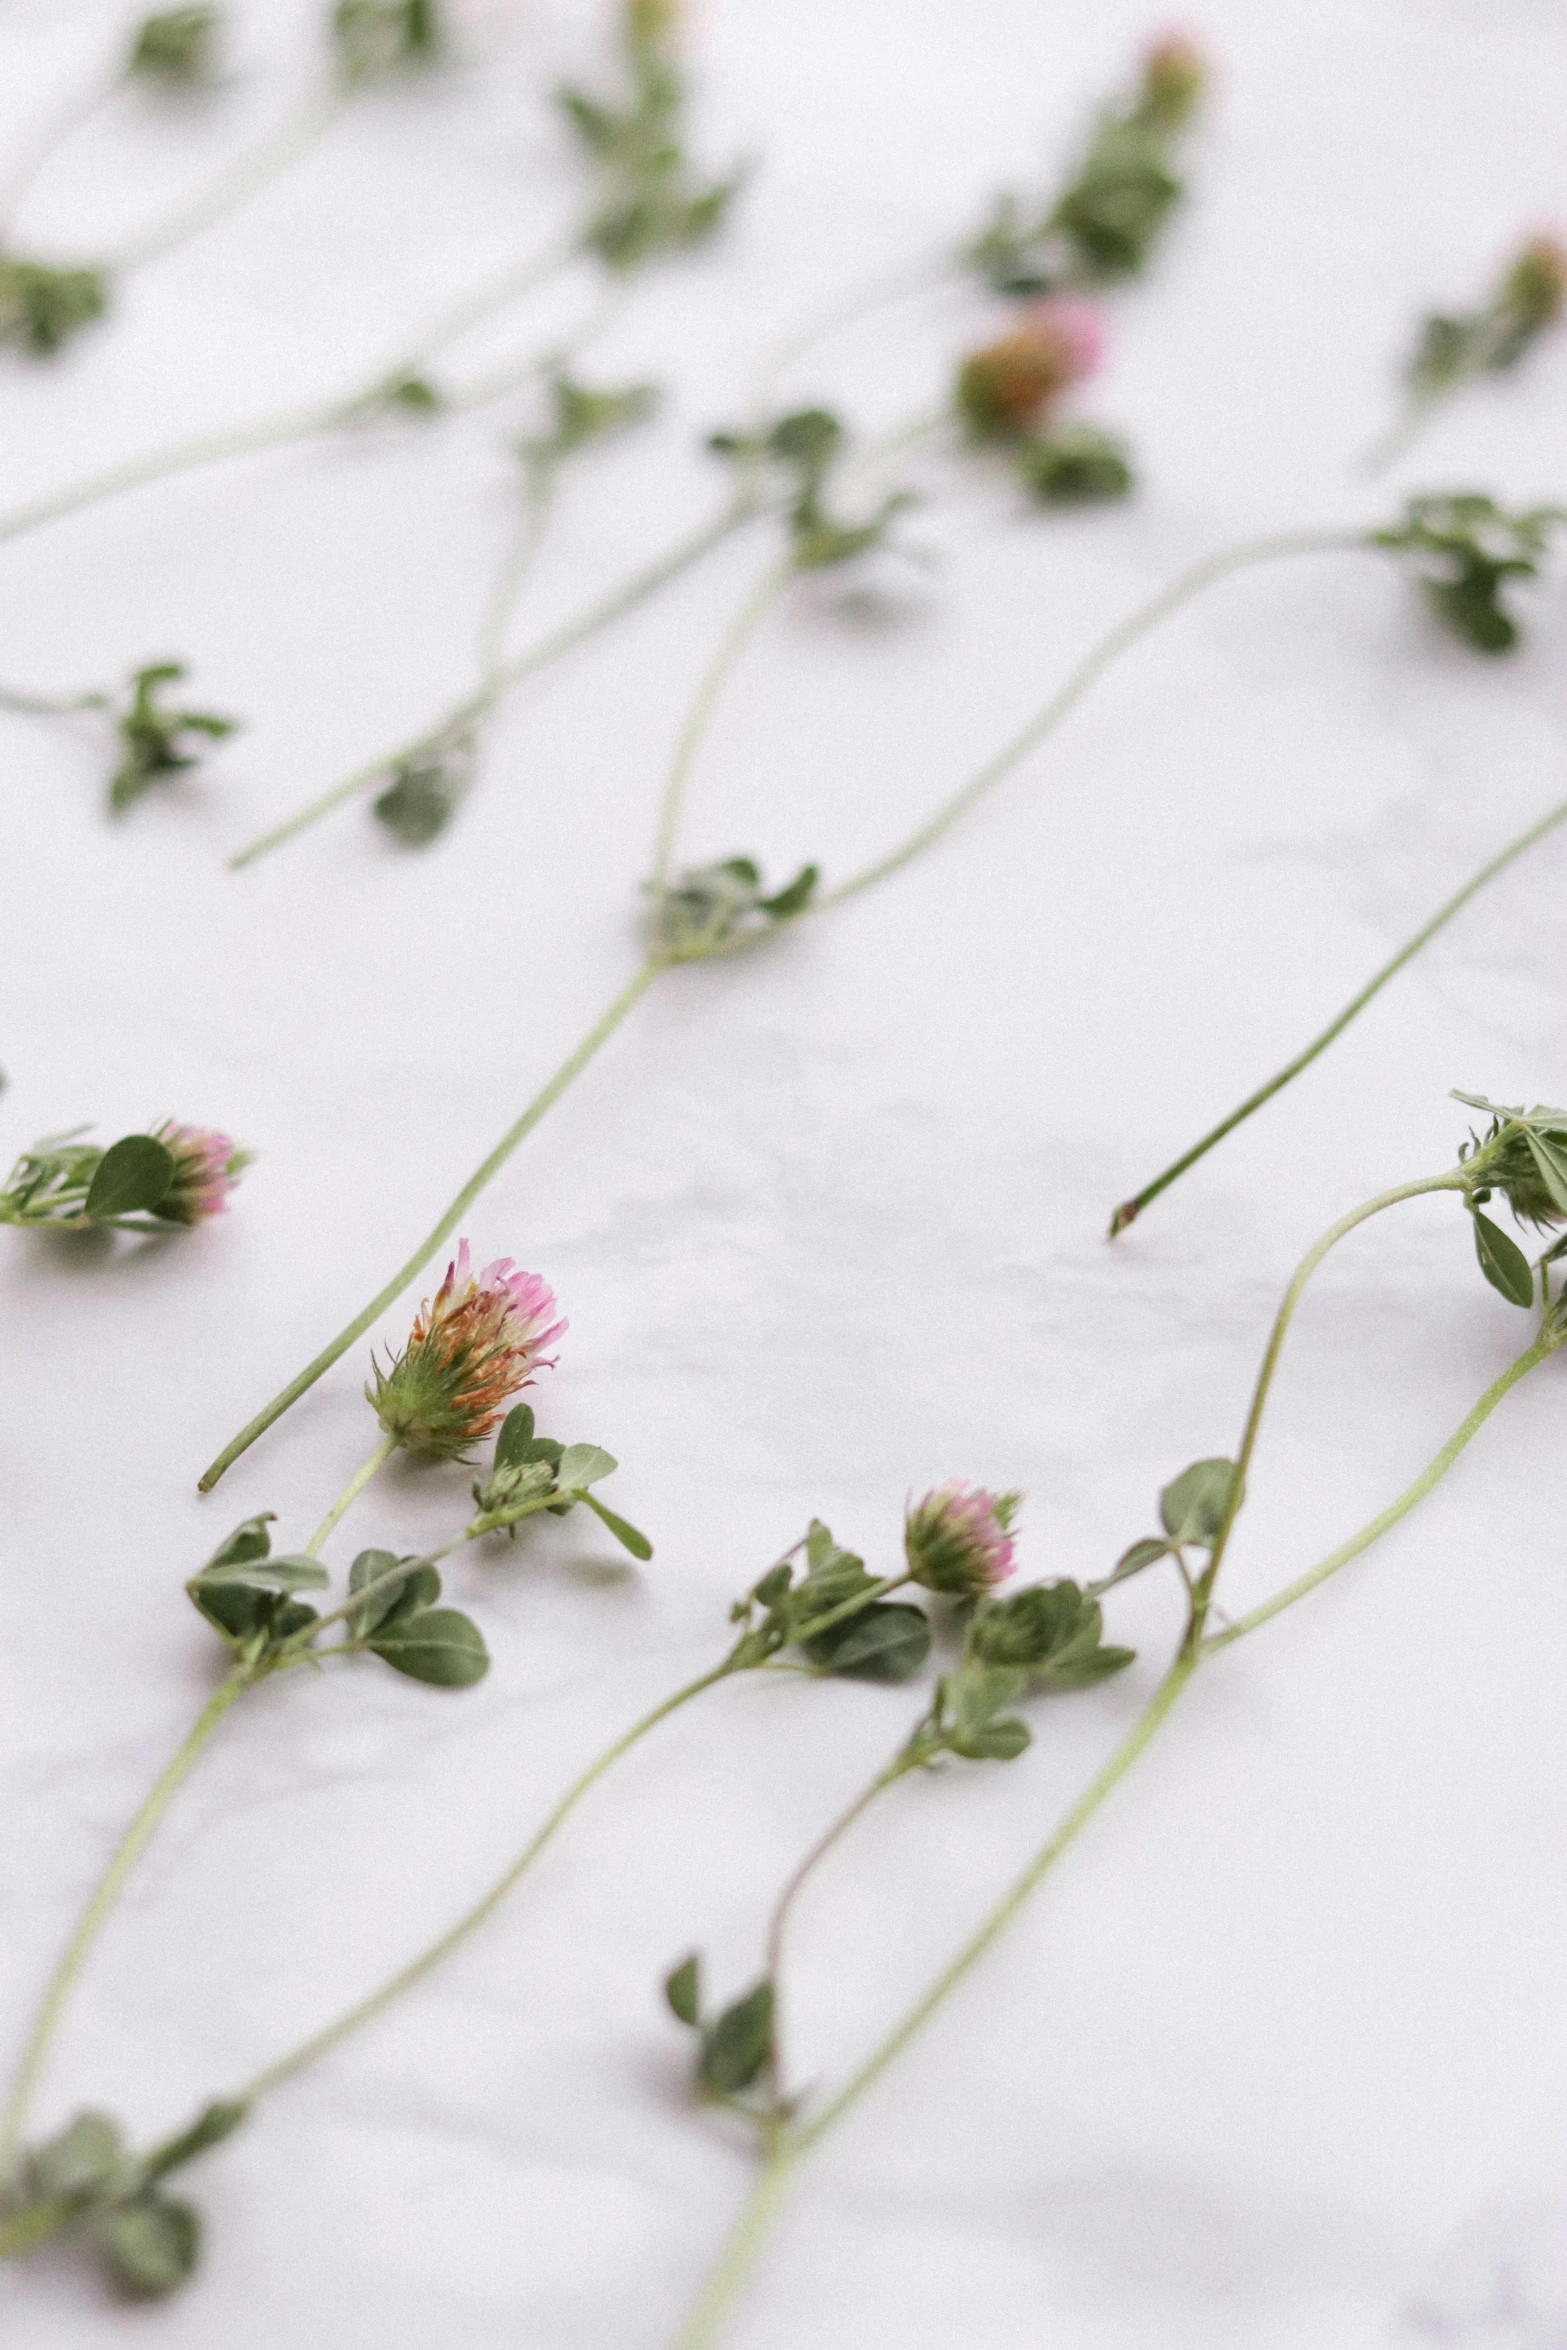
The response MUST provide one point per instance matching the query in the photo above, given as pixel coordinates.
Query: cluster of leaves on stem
(717, 909)
(156, 741)
(797, 455)
(88, 2182)
(581, 414)
(650, 199)
(427, 789)
(42, 307)
(1527, 299)
(175, 47)
(833, 1612)
(1462, 549)
(530, 1472)
(137, 1184)
(372, 37)
(1522, 1155)
(1103, 223)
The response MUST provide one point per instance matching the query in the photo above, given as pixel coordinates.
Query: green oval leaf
(419, 1589)
(740, 2043)
(582, 1465)
(1192, 1506)
(683, 1990)
(887, 1644)
(132, 1176)
(1503, 1262)
(625, 1533)
(440, 1646)
(152, 2244)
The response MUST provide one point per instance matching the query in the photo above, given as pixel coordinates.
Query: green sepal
(133, 1175)
(683, 1991)
(739, 2045)
(883, 1643)
(1195, 1504)
(624, 1532)
(1503, 1262)
(440, 1646)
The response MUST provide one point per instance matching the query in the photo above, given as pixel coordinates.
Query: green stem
(1376, 1527)
(572, 1067)
(1130, 1209)
(50, 705)
(708, 2314)
(476, 705)
(744, 624)
(537, 498)
(437, 1952)
(285, 144)
(295, 424)
(1138, 624)
(1276, 1337)
(37, 152)
(350, 1494)
(88, 1926)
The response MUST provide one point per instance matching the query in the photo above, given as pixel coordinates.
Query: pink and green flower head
(473, 1345)
(958, 1540)
(207, 1165)
(1174, 73)
(1009, 387)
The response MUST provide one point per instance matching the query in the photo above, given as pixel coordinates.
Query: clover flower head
(1535, 287)
(958, 1540)
(1174, 73)
(207, 1165)
(480, 1338)
(1008, 387)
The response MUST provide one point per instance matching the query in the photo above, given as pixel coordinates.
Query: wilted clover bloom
(959, 1539)
(1008, 387)
(207, 1166)
(1174, 71)
(480, 1338)
(1535, 287)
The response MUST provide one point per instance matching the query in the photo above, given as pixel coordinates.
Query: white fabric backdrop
(828, 1224)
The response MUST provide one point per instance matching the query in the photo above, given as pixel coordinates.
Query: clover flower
(1006, 388)
(480, 1338)
(958, 1540)
(207, 1165)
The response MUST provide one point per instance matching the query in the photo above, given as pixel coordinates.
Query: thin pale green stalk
(89, 1925)
(1130, 1209)
(475, 706)
(35, 153)
(436, 1953)
(1182, 590)
(350, 1494)
(50, 705)
(731, 2271)
(1432, 1474)
(295, 424)
(731, 646)
(284, 145)
(527, 535)
(571, 1068)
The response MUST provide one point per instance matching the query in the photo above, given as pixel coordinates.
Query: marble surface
(1279, 2060)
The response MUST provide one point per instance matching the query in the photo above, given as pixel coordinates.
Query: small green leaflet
(133, 1175)
(1503, 1262)
(439, 1646)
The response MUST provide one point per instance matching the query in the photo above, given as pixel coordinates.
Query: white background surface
(827, 1225)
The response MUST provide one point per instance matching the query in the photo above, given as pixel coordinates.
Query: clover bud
(175, 46)
(1174, 74)
(1008, 387)
(474, 1344)
(207, 1165)
(42, 308)
(958, 1540)
(1535, 287)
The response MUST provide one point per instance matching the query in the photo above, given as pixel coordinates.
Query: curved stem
(772, 1967)
(1130, 1209)
(285, 144)
(62, 1982)
(572, 1067)
(50, 705)
(1403, 432)
(350, 1494)
(731, 645)
(474, 706)
(435, 1954)
(295, 424)
(1276, 1337)
(1182, 590)
(707, 2316)
(1468, 1428)
(537, 498)
(40, 150)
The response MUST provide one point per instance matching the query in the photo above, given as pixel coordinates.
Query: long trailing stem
(89, 1925)
(1181, 590)
(727, 654)
(294, 424)
(435, 1954)
(1130, 1209)
(286, 144)
(476, 705)
(571, 1068)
